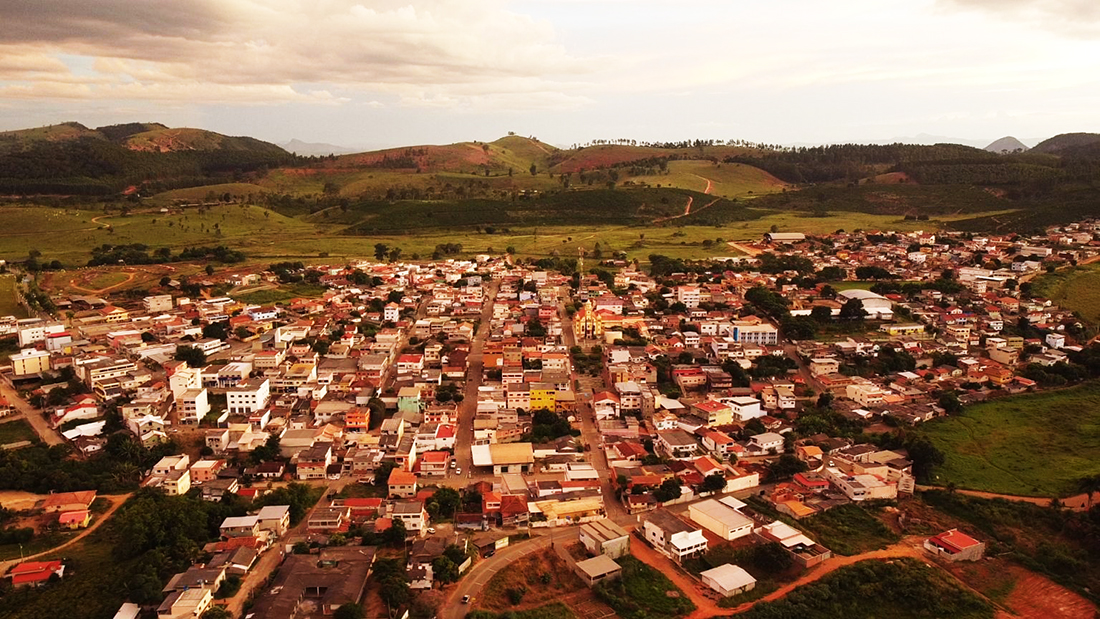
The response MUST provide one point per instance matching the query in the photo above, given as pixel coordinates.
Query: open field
(850, 530)
(16, 430)
(8, 305)
(1077, 288)
(900, 589)
(571, 221)
(280, 294)
(1036, 445)
(728, 180)
(199, 194)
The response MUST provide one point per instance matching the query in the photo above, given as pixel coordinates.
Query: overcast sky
(382, 72)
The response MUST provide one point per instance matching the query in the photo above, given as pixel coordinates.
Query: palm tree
(1089, 485)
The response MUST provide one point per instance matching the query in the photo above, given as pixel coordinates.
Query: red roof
(954, 541)
(71, 517)
(34, 571)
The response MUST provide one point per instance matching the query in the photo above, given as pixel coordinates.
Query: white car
(431, 530)
(458, 471)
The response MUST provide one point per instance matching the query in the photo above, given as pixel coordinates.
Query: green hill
(1062, 143)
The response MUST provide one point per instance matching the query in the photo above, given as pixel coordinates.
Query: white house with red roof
(954, 545)
(84, 408)
(35, 573)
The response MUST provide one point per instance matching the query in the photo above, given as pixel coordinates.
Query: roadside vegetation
(899, 589)
(643, 593)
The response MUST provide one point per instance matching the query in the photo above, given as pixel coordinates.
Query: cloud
(1075, 18)
(142, 48)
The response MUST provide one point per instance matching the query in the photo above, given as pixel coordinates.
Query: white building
(720, 519)
(192, 405)
(248, 397)
(728, 580)
(877, 306)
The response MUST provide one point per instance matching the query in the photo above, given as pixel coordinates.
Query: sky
(374, 73)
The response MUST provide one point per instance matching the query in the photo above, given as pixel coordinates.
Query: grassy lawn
(729, 180)
(1077, 289)
(8, 305)
(900, 589)
(642, 593)
(15, 431)
(106, 279)
(557, 610)
(39, 543)
(281, 294)
(94, 585)
(1036, 444)
(849, 530)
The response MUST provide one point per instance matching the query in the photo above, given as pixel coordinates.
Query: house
(955, 545)
(68, 501)
(74, 520)
(604, 537)
(186, 604)
(672, 536)
(240, 526)
(720, 519)
(402, 484)
(728, 580)
(335, 577)
(597, 569)
(331, 519)
(766, 442)
(505, 458)
(249, 396)
(676, 443)
(411, 513)
(274, 518)
(35, 573)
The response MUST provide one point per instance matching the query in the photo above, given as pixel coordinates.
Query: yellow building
(543, 396)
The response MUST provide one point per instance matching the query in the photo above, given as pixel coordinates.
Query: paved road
(475, 365)
(32, 415)
(116, 502)
(483, 571)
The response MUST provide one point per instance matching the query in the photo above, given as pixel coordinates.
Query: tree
(382, 473)
(853, 310)
(821, 313)
(444, 569)
(219, 612)
(534, 169)
(1089, 485)
(194, 357)
(668, 490)
(209, 269)
(714, 483)
(270, 450)
(349, 610)
(785, 467)
(380, 250)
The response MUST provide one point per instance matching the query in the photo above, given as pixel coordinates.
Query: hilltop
(1068, 143)
(1007, 144)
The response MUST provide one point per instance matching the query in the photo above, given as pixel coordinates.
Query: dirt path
(49, 435)
(116, 502)
(908, 547)
(705, 607)
(687, 210)
(129, 278)
(1077, 502)
(745, 249)
(710, 185)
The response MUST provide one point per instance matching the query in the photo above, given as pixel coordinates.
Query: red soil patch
(1037, 597)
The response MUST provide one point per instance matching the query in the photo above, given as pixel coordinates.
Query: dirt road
(116, 502)
(745, 249)
(1077, 502)
(33, 416)
(710, 185)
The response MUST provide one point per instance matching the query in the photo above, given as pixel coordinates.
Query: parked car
(465, 599)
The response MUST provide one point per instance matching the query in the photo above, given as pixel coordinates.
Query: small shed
(728, 579)
(598, 568)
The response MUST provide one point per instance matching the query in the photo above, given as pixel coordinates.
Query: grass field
(1077, 288)
(8, 305)
(642, 592)
(729, 180)
(1036, 445)
(280, 294)
(15, 431)
(849, 530)
(899, 589)
(199, 194)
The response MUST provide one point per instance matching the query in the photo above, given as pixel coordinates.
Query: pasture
(1077, 289)
(727, 180)
(9, 306)
(1035, 445)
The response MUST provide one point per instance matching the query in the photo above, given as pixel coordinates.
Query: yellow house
(543, 396)
(74, 520)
